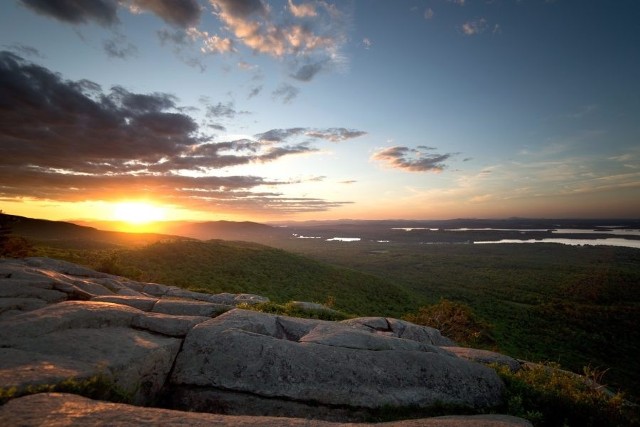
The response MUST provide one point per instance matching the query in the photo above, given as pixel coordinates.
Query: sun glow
(138, 213)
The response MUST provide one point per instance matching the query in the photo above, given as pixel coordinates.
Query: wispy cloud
(429, 14)
(330, 134)
(119, 47)
(474, 27)
(303, 10)
(419, 159)
(286, 93)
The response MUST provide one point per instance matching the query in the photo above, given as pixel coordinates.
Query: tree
(12, 246)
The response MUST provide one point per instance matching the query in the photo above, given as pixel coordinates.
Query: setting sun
(138, 213)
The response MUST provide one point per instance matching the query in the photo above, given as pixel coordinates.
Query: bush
(549, 396)
(455, 320)
(292, 310)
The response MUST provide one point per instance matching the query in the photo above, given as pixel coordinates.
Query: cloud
(66, 140)
(313, 33)
(412, 159)
(286, 93)
(211, 43)
(303, 10)
(308, 39)
(583, 111)
(307, 72)
(255, 91)
(24, 50)
(330, 134)
(336, 134)
(471, 28)
(118, 47)
(429, 14)
(367, 43)
(279, 135)
(180, 13)
(182, 42)
(102, 12)
(222, 110)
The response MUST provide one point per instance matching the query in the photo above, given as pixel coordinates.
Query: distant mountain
(226, 230)
(222, 230)
(66, 234)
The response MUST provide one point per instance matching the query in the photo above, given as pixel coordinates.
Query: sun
(138, 213)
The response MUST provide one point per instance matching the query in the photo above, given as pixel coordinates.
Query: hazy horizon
(296, 110)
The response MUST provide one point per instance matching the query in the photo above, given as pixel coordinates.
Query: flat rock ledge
(58, 410)
(162, 345)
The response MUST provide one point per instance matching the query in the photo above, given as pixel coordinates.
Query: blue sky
(261, 110)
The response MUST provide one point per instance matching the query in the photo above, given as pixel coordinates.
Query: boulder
(80, 339)
(247, 353)
(70, 410)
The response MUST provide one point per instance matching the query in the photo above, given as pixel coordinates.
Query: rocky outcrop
(199, 352)
(329, 364)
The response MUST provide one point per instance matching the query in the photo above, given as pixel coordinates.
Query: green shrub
(99, 387)
(549, 396)
(292, 310)
(455, 320)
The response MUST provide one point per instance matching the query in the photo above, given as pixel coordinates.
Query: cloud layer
(72, 140)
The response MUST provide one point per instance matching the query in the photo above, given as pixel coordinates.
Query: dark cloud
(181, 13)
(102, 12)
(140, 103)
(286, 93)
(71, 140)
(73, 124)
(412, 159)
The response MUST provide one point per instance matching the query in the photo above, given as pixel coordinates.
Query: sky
(302, 109)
